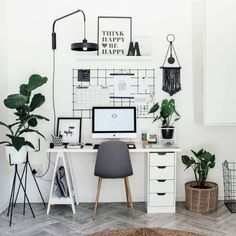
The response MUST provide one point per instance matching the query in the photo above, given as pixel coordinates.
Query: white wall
(29, 51)
(4, 166)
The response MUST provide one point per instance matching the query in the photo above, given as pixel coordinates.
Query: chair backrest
(113, 160)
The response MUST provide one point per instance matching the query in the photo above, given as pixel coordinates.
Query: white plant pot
(16, 157)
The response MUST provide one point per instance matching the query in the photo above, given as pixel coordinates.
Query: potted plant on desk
(23, 106)
(201, 195)
(168, 116)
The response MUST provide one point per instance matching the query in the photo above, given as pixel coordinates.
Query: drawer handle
(162, 153)
(161, 167)
(161, 194)
(161, 180)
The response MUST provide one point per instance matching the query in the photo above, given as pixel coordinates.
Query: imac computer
(114, 122)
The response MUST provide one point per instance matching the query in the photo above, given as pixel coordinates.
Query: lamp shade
(84, 46)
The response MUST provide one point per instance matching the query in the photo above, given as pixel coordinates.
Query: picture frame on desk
(114, 35)
(70, 129)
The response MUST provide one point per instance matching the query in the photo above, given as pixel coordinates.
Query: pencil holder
(57, 141)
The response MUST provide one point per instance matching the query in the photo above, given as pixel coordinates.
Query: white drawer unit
(161, 182)
(162, 159)
(162, 186)
(162, 172)
(161, 199)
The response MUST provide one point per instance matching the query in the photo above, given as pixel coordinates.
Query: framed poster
(70, 129)
(114, 35)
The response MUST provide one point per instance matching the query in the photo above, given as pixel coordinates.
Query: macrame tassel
(171, 80)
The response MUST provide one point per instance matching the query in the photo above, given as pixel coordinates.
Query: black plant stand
(13, 198)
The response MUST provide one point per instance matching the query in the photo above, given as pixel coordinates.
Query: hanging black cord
(53, 91)
(49, 162)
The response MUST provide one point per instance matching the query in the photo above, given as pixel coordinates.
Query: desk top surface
(140, 148)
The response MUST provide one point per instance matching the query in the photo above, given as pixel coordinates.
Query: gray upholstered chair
(113, 161)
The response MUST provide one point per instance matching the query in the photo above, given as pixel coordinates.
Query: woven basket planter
(201, 200)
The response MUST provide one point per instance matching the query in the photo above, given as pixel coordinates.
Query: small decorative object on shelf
(134, 49)
(201, 195)
(171, 72)
(168, 116)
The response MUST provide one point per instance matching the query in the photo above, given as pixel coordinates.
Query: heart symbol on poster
(104, 45)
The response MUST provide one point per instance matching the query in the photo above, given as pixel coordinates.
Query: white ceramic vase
(14, 156)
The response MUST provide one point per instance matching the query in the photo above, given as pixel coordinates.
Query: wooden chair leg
(97, 197)
(129, 196)
(126, 192)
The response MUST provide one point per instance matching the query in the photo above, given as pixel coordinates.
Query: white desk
(160, 174)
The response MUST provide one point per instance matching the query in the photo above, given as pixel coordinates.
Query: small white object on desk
(75, 145)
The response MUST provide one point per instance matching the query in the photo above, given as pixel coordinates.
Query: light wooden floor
(61, 221)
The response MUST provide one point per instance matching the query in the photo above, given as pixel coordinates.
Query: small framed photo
(70, 129)
(114, 35)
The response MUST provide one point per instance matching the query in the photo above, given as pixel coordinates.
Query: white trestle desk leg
(68, 183)
(73, 179)
(53, 181)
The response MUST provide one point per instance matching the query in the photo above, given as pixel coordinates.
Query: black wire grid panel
(229, 175)
(104, 78)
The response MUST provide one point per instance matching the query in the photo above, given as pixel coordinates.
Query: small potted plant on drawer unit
(23, 106)
(168, 116)
(201, 195)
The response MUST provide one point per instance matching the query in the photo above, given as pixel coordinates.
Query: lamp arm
(54, 44)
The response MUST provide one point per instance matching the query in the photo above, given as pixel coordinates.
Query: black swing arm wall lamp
(81, 46)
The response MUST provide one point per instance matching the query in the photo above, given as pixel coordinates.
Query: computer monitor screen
(114, 122)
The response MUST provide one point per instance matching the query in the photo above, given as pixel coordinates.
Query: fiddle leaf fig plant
(201, 164)
(167, 112)
(23, 104)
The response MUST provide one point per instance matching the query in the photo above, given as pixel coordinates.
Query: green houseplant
(201, 195)
(167, 114)
(24, 106)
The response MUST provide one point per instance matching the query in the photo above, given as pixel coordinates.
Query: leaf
(37, 100)
(211, 165)
(24, 91)
(29, 144)
(3, 124)
(35, 81)
(5, 142)
(154, 108)
(195, 153)
(31, 131)
(17, 142)
(32, 122)
(200, 152)
(14, 101)
(40, 117)
(185, 159)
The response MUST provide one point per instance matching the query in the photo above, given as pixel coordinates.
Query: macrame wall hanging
(171, 73)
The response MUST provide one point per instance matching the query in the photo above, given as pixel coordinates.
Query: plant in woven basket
(201, 163)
